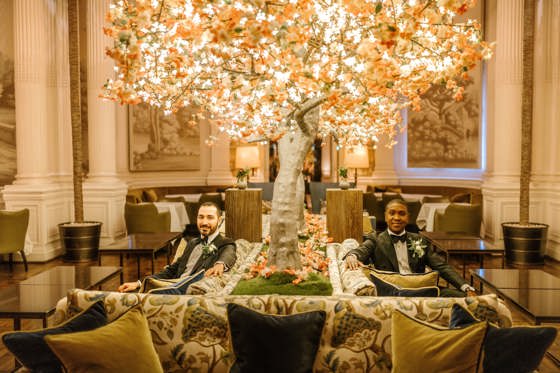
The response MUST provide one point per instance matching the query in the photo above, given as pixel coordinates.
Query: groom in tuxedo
(396, 250)
(211, 251)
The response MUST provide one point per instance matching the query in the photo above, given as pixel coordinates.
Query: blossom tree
(291, 70)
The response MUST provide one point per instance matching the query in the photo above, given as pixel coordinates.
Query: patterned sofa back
(191, 332)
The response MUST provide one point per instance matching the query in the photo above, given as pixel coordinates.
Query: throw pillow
(269, 343)
(433, 349)
(125, 345)
(32, 352)
(413, 280)
(385, 289)
(515, 350)
(150, 195)
(179, 286)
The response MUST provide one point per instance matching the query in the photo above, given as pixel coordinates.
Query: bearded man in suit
(211, 251)
(393, 250)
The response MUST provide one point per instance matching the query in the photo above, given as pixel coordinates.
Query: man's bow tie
(395, 238)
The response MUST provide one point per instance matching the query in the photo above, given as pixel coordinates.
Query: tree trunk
(287, 204)
(75, 107)
(526, 110)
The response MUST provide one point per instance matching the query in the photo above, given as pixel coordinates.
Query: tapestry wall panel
(159, 142)
(447, 133)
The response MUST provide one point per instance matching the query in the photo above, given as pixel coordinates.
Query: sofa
(191, 332)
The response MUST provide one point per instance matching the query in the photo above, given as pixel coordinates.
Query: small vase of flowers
(242, 178)
(343, 178)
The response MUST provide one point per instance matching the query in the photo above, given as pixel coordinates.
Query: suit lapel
(386, 246)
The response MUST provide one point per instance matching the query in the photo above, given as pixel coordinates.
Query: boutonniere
(208, 250)
(417, 248)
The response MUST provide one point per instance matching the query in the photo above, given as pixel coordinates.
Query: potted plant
(242, 175)
(343, 180)
(525, 242)
(80, 239)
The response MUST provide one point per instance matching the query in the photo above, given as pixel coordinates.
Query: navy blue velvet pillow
(385, 289)
(511, 350)
(180, 287)
(31, 350)
(274, 344)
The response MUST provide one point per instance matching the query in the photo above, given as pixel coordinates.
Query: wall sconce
(356, 157)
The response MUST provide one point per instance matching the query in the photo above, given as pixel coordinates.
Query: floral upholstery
(246, 253)
(353, 281)
(191, 333)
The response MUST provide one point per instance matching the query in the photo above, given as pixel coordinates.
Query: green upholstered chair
(212, 197)
(13, 227)
(267, 189)
(318, 192)
(134, 196)
(413, 210)
(374, 207)
(433, 199)
(459, 218)
(145, 218)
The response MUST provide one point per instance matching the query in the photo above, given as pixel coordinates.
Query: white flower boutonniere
(208, 250)
(417, 248)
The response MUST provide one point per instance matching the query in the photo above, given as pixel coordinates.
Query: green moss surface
(281, 283)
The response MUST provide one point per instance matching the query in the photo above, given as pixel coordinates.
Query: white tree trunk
(287, 204)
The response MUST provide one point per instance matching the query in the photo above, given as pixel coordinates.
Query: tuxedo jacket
(380, 252)
(225, 253)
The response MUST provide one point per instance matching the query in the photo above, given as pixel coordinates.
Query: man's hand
(352, 262)
(471, 293)
(128, 286)
(217, 270)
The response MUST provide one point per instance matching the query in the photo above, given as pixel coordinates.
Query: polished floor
(18, 274)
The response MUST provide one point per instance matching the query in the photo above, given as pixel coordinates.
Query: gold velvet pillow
(434, 349)
(125, 345)
(150, 195)
(410, 281)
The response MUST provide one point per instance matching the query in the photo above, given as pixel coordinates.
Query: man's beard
(211, 230)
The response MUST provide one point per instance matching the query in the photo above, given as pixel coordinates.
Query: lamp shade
(356, 157)
(247, 157)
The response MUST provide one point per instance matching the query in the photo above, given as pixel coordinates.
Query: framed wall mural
(447, 133)
(159, 142)
(7, 95)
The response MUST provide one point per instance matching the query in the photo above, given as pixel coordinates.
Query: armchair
(267, 189)
(459, 218)
(318, 192)
(145, 218)
(13, 227)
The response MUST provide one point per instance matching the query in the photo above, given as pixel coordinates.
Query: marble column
(39, 85)
(500, 185)
(104, 192)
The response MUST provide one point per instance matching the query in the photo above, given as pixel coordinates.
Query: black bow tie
(395, 238)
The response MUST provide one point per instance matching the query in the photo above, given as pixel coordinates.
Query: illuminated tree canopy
(260, 68)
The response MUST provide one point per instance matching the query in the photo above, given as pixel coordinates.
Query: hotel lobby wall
(501, 180)
(43, 131)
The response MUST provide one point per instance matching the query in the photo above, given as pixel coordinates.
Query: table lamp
(247, 157)
(356, 157)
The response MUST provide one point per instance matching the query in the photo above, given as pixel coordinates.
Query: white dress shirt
(402, 254)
